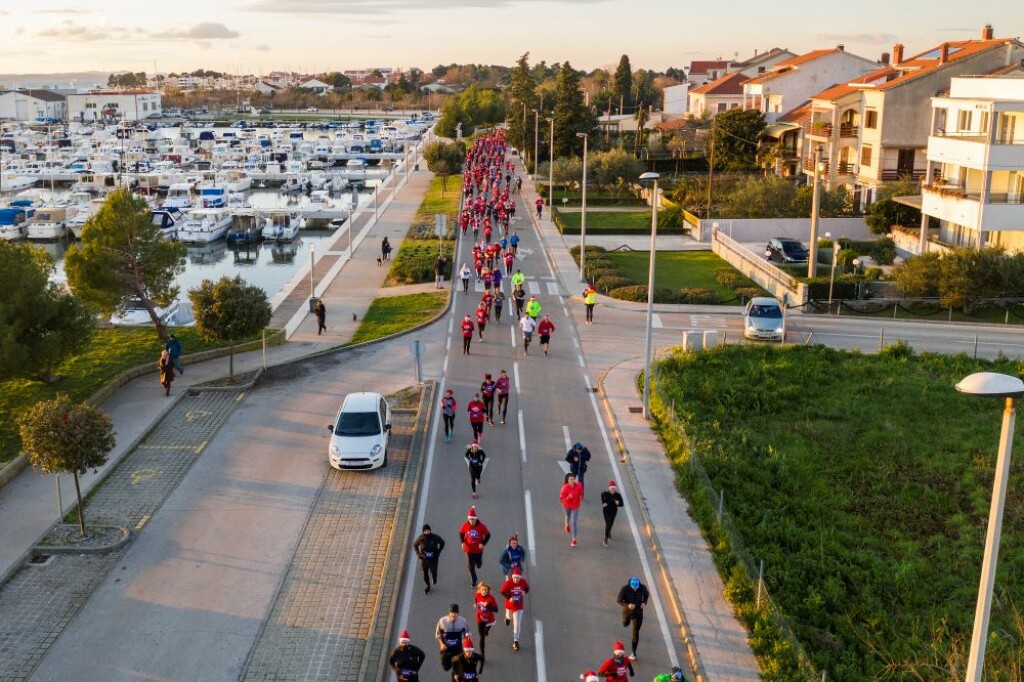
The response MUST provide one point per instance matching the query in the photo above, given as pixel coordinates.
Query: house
(317, 86)
(719, 95)
(761, 62)
(127, 105)
(975, 162)
(786, 140)
(29, 105)
(265, 88)
(438, 86)
(674, 99)
(703, 71)
(791, 82)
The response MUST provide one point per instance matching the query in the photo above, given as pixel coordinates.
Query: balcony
(809, 165)
(894, 174)
(825, 130)
(973, 151)
(1001, 212)
(844, 167)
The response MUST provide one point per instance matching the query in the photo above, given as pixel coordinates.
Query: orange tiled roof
(707, 65)
(799, 115)
(729, 84)
(787, 65)
(928, 61)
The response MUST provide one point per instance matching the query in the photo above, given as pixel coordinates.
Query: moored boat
(204, 225)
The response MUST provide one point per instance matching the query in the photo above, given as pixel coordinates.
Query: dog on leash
(380, 261)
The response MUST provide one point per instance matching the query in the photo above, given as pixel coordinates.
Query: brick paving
(39, 601)
(323, 621)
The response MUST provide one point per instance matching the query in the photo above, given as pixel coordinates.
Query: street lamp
(536, 140)
(1009, 389)
(551, 163)
(583, 213)
(832, 279)
(812, 257)
(650, 177)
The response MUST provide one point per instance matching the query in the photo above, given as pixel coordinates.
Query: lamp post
(650, 177)
(832, 279)
(812, 256)
(1009, 389)
(551, 163)
(583, 213)
(536, 140)
(312, 288)
(524, 128)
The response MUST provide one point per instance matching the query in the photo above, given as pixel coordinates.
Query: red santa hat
(467, 643)
(620, 648)
(516, 571)
(404, 637)
(472, 513)
(611, 484)
(589, 676)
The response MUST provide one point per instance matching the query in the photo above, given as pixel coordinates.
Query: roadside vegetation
(863, 483)
(414, 261)
(392, 314)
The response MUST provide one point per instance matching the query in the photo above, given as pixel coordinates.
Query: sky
(312, 36)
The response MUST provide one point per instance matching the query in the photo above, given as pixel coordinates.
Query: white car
(764, 320)
(359, 435)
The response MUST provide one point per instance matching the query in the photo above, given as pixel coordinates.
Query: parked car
(359, 435)
(763, 319)
(312, 110)
(783, 250)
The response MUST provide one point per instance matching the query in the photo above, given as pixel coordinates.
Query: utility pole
(711, 167)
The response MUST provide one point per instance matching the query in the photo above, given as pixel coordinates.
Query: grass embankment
(393, 314)
(863, 483)
(111, 351)
(414, 262)
(606, 222)
(674, 269)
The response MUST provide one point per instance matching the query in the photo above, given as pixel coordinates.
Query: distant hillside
(38, 80)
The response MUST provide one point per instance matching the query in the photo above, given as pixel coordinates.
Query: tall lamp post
(583, 213)
(836, 248)
(1009, 389)
(536, 140)
(551, 164)
(812, 256)
(645, 178)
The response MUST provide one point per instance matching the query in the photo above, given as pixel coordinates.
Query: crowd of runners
(489, 211)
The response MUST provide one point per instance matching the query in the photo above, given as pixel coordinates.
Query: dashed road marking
(528, 503)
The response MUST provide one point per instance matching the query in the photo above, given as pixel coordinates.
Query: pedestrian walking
(611, 500)
(578, 458)
(519, 298)
(449, 633)
(487, 389)
(533, 308)
(540, 206)
(589, 301)
(385, 250)
(514, 555)
(519, 183)
(428, 548)
(320, 312)
(545, 328)
(618, 668)
(676, 675)
(465, 274)
(476, 460)
(502, 387)
(173, 347)
(481, 319)
(474, 535)
(448, 408)
(486, 606)
(514, 590)
(477, 414)
(165, 367)
(571, 497)
(439, 268)
(633, 598)
(528, 325)
(467, 334)
(499, 303)
(468, 666)
(406, 659)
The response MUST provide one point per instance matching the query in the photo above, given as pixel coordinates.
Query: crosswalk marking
(656, 321)
(533, 287)
(553, 288)
(709, 321)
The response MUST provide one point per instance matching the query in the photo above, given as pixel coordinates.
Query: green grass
(608, 222)
(414, 261)
(110, 352)
(673, 269)
(863, 483)
(393, 314)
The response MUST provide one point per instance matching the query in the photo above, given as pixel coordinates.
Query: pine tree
(622, 85)
(571, 114)
(522, 92)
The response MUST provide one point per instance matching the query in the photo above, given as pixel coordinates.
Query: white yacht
(13, 225)
(282, 226)
(235, 181)
(320, 200)
(136, 315)
(50, 223)
(12, 181)
(204, 225)
(179, 195)
(213, 196)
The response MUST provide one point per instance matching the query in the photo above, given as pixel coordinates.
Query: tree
(735, 135)
(59, 435)
(41, 324)
(571, 114)
(522, 93)
(613, 170)
(229, 310)
(622, 84)
(643, 87)
(640, 116)
(884, 212)
(475, 106)
(123, 256)
(444, 158)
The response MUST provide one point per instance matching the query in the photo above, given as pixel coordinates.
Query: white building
(976, 157)
(29, 105)
(131, 105)
(676, 99)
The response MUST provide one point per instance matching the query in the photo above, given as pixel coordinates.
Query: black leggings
(449, 424)
(503, 405)
(475, 472)
(475, 561)
(489, 407)
(609, 519)
(637, 618)
(478, 430)
(429, 567)
(482, 630)
(590, 311)
(466, 340)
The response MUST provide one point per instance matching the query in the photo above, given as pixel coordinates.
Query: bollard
(881, 339)
(760, 584)
(975, 346)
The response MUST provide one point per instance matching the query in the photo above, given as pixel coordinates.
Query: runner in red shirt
(477, 414)
(474, 535)
(514, 590)
(486, 607)
(481, 319)
(545, 329)
(467, 334)
(540, 207)
(616, 668)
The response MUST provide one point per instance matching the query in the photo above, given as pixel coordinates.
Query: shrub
(414, 263)
(873, 274)
(698, 296)
(594, 274)
(727, 277)
(606, 283)
(671, 218)
(843, 289)
(638, 294)
(575, 251)
(748, 293)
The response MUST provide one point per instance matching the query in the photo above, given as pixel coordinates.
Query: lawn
(414, 261)
(393, 314)
(607, 222)
(673, 270)
(863, 484)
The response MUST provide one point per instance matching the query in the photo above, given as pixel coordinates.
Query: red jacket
(474, 537)
(571, 495)
(467, 329)
(515, 593)
(481, 318)
(486, 607)
(616, 671)
(476, 411)
(546, 327)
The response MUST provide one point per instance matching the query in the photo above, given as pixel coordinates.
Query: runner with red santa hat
(514, 590)
(474, 535)
(407, 659)
(468, 666)
(616, 668)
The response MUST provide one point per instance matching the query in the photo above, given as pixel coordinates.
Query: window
(734, 105)
(870, 119)
(865, 155)
(983, 123)
(722, 106)
(963, 120)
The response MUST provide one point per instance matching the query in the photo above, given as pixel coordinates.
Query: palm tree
(640, 117)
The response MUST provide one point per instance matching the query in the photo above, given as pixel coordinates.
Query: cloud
(378, 7)
(862, 38)
(204, 31)
(261, 48)
(69, 30)
(63, 11)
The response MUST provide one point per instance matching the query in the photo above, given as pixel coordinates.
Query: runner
(496, 278)
(474, 536)
(476, 460)
(533, 308)
(571, 497)
(499, 303)
(468, 666)
(514, 590)
(611, 500)
(486, 607)
(465, 274)
(545, 329)
(578, 458)
(487, 389)
(467, 334)
(540, 207)
(448, 407)
(616, 668)
(449, 633)
(589, 301)
(481, 319)
(477, 413)
(633, 598)
(487, 278)
(407, 659)
(528, 325)
(428, 549)
(509, 259)
(513, 242)
(519, 298)
(517, 280)
(513, 556)
(519, 184)
(487, 300)
(502, 386)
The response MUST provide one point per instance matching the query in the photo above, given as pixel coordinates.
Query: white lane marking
(532, 553)
(580, 358)
(451, 324)
(567, 438)
(422, 505)
(656, 321)
(575, 342)
(522, 436)
(444, 370)
(564, 466)
(512, 333)
(659, 610)
(448, 345)
(515, 373)
(538, 643)
(533, 287)
(565, 311)
(553, 288)
(586, 380)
